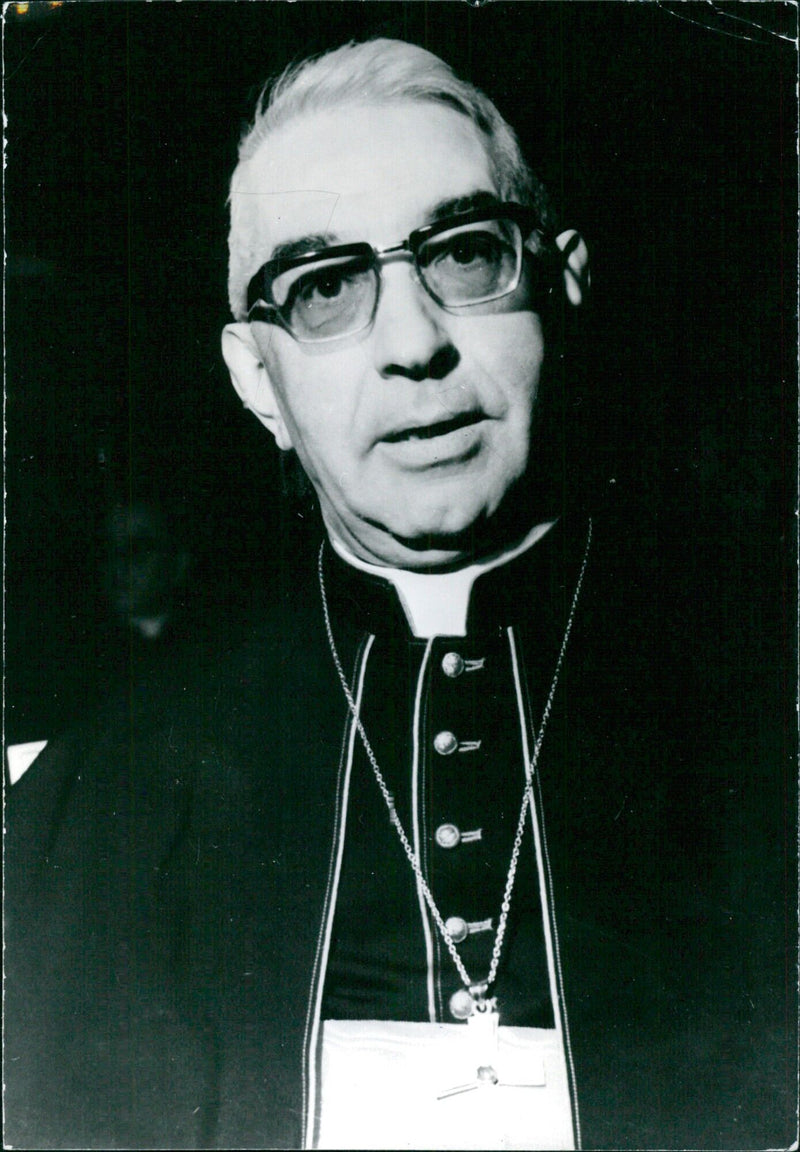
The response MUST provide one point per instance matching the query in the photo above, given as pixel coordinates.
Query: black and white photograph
(400, 574)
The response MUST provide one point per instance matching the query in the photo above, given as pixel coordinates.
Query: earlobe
(251, 380)
(575, 263)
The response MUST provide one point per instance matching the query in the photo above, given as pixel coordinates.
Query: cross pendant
(482, 1028)
(484, 1040)
(486, 1077)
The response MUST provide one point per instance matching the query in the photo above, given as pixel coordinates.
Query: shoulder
(172, 734)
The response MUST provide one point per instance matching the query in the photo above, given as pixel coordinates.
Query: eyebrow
(304, 245)
(463, 204)
(317, 241)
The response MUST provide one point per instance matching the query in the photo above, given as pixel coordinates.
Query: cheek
(509, 360)
(318, 409)
(525, 370)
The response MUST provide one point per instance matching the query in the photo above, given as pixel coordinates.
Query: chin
(469, 528)
(438, 531)
(447, 511)
(445, 541)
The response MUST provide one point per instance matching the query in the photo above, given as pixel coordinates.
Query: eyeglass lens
(336, 296)
(330, 297)
(470, 264)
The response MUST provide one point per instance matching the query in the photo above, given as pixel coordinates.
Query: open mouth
(440, 428)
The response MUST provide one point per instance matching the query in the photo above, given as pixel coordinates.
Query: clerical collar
(437, 603)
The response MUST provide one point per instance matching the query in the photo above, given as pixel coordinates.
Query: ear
(575, 259)
(251, 380)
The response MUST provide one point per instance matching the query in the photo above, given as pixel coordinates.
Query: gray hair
(374, 71)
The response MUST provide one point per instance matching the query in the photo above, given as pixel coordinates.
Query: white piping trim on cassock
(415, 790)
(546, 896)
(312, 1035)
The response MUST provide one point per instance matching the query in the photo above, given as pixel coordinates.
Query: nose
(408, 337)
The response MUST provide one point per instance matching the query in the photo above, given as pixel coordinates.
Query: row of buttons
(461, 1003)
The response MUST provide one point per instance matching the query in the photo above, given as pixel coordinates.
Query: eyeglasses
(470, 258)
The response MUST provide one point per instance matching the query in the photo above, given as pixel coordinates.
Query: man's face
(413, 431)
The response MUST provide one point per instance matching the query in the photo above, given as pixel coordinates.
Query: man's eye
(332, 284)
(322, 285)
(464, 249)
(473, 246)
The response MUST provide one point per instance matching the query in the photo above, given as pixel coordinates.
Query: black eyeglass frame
(259, 288)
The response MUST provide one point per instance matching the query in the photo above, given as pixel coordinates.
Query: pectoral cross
(483, 1038)
(482, 1028)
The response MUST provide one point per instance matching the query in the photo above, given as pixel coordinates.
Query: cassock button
(457, 928)
(445, 743)
(461, 1004)
(447, 835)
(452, 664)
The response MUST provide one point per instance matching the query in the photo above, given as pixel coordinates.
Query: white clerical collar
(437, 603)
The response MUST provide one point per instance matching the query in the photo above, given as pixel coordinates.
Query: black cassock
(168, 864)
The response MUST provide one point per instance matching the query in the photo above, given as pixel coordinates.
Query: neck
(482, 542)
(437, 603)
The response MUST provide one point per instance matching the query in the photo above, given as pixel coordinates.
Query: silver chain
(478, 990)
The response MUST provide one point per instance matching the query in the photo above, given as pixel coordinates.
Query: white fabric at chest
(382, 1084)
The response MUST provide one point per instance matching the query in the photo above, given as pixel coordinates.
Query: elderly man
(421, 865)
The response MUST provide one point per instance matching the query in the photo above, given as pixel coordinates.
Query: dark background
(667, 133)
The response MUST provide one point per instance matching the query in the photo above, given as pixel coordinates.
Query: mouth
(431, 431)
